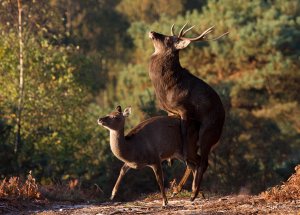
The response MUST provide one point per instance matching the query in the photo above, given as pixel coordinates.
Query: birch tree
(21, 79)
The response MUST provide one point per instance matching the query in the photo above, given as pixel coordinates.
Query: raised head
(116, 119)
(163, 43)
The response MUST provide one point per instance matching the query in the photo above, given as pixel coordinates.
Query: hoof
(202, 195)
(174, 194)
(192, 198)
(170, 162)
(165, 203)
(112, 198)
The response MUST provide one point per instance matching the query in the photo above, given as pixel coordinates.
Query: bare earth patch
(281, 199)
(233, 204)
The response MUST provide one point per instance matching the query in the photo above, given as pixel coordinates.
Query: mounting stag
(181, 93)
(148, 144)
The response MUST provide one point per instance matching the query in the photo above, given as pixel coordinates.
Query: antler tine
(172, 30)
(200, 37)
(188, 30)
(218, 36)
(207, 31)
(180, 32)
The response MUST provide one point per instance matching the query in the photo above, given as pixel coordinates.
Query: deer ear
(127, 112)
(181, 44)
(119, 109)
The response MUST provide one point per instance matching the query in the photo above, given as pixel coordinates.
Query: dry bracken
(14, 188)
(289, 190)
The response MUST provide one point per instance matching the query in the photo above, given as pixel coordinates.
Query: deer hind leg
(193, 159)
(170, 160)
(197, 178)
(160, 180)
(123, 171)
(195, 185)
(207, 138)
(177, 189)
(184, 123)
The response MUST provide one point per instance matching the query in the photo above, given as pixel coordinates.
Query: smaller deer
(148, 144)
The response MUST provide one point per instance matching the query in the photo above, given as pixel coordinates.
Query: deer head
(163, 43)
(116, 119)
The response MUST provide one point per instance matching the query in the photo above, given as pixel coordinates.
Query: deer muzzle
(151, 35)
(100, 121)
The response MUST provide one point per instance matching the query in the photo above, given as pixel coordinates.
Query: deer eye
(168, 41)
(115, 117)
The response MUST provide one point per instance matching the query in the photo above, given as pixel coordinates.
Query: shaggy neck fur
(162, 61)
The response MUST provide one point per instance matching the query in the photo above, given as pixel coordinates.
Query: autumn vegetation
(289, 190)
(83, 58)
(15, 188)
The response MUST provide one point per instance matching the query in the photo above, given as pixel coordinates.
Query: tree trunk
(21, 79)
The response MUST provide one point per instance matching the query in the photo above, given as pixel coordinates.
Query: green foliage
(149, 11)
(59, 129)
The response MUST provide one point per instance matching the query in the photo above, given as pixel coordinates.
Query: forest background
(83, 58)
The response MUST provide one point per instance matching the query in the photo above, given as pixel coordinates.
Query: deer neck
(117, 143)
(165, 62)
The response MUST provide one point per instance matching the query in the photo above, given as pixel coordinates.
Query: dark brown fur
(181, 93)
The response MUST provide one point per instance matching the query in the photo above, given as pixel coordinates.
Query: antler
(200, 37)
(181, 30)
(172, 30)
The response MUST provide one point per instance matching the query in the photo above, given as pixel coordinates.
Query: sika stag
(181, 93)
(148, 144)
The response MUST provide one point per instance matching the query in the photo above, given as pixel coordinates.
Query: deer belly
(171, 145)
(135, 165)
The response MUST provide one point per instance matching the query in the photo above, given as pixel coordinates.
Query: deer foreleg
(160, 180)
(123, 171)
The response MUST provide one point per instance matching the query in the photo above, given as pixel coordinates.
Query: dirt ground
(281, 199)
(233, 204)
